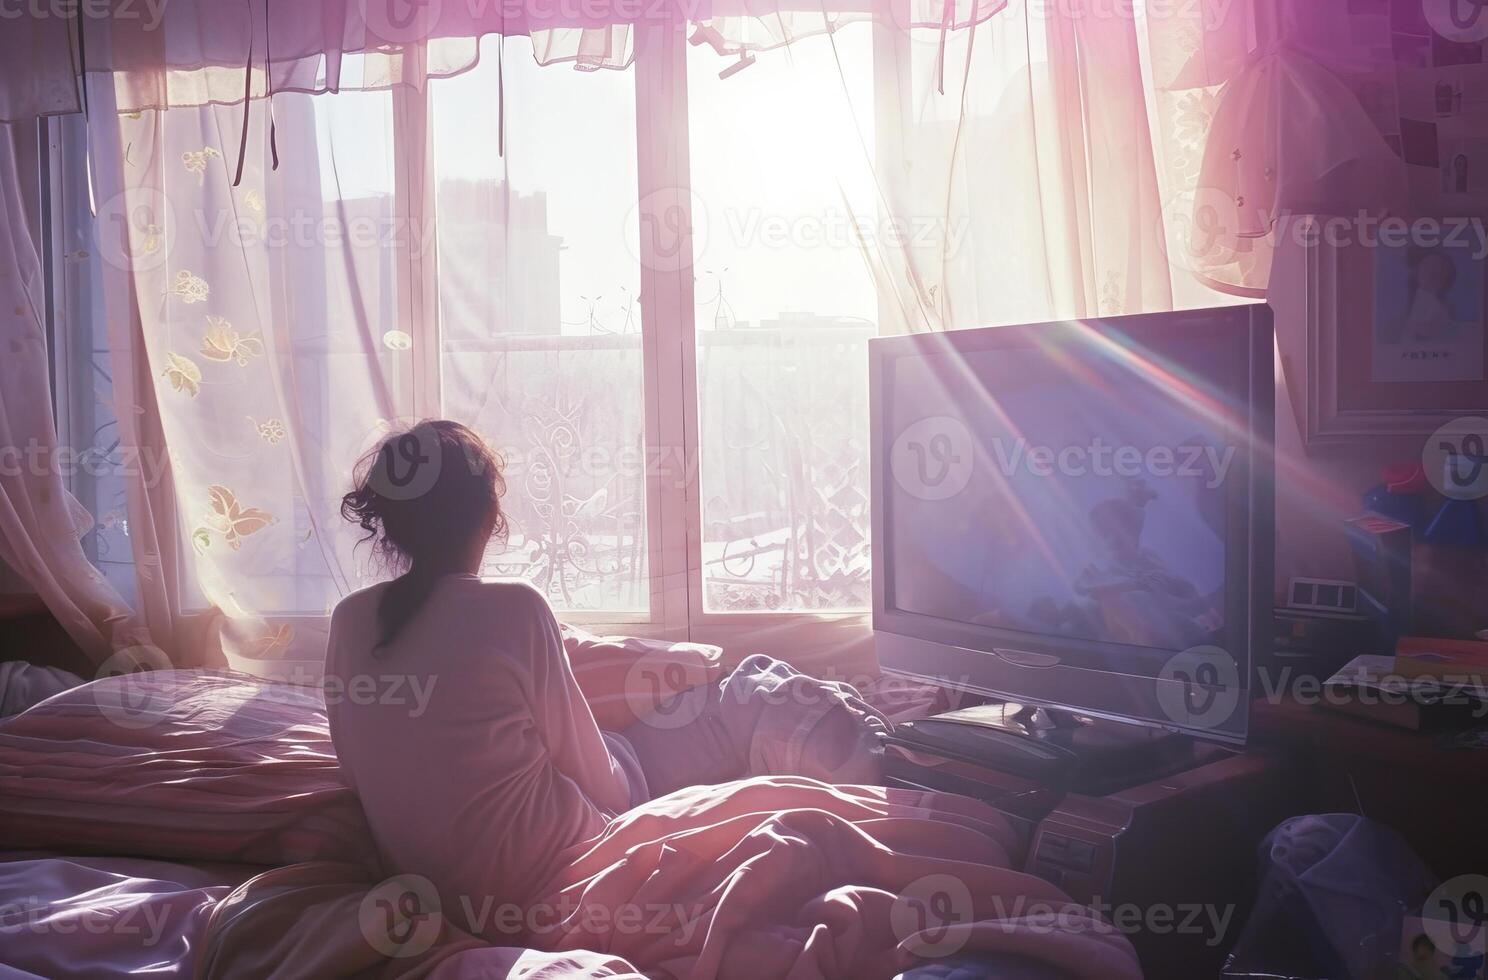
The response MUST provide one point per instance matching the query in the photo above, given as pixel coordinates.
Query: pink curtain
(1261, 114)
(40, 522)
(1025, 168)
(1085, 158)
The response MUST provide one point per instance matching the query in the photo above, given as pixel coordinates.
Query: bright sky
(774, 149)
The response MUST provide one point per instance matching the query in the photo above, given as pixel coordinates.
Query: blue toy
(1456, 525)
(1407, 508)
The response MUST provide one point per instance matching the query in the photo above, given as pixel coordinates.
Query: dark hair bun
(423, 496)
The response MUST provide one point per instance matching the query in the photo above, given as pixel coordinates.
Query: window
(780, 164)
(87, 421)
(684, 443)
(539, 309)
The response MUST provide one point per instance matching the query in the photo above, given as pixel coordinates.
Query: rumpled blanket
(773, 876)
(625, 678)
(768, 877)
(764, 718)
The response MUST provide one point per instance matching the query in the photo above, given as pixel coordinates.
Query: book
(1451, 660)
(1370, 688)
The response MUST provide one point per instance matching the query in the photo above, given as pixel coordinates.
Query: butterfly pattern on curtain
(279, 354)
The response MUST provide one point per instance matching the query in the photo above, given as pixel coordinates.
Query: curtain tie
(248, 93)
(947, 16)
(501, 89)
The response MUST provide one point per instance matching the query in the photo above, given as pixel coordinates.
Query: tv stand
(1176, 837)
(1061, 750)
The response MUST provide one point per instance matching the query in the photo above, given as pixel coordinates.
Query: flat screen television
(1078, 514)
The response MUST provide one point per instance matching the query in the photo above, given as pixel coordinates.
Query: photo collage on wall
(1428, 93)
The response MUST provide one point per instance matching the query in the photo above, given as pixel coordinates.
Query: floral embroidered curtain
(277, 320)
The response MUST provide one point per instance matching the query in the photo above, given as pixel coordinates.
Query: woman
(484, 782)
(504, 767)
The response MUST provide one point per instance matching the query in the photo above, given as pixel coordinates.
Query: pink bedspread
(769, 877)
(787, 877)
(774, 876)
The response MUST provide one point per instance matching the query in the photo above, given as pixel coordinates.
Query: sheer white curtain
(1081, 157)
(400, 263)
(40, 521)
(280, 322)
(193, 52)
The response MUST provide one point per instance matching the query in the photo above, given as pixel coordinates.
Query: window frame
(669, 345)
(670, 322)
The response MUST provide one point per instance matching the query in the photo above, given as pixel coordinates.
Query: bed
(193, 823)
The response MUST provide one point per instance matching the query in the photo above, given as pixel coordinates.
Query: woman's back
(474, 754)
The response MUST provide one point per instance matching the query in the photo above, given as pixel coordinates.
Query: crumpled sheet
(23, 684)
(769, 877)
(107, 916)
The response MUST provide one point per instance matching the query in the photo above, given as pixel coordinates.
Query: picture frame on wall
(1385, 340)
(1427, 314)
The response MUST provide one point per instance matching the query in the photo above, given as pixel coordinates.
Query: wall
(1317, 490)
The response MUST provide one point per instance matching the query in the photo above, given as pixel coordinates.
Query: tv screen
(1078, 513)
(1088, 491)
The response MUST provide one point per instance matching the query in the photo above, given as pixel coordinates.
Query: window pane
(330, 296)
(783, 191)
(85, 369)
(538, 295)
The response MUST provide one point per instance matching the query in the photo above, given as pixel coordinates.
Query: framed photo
(1381, 342)
(1428, 315)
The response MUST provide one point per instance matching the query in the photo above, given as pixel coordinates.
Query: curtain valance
(199, 52)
